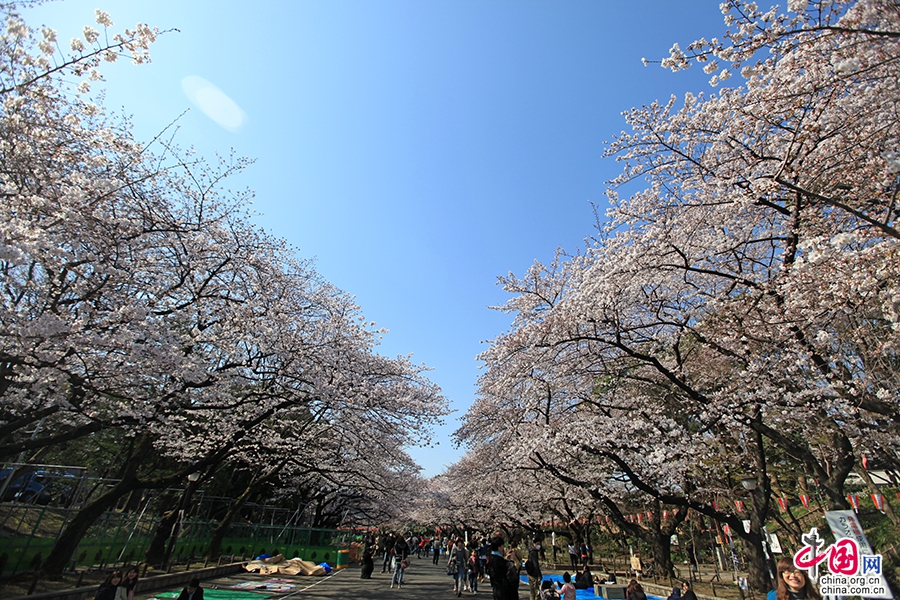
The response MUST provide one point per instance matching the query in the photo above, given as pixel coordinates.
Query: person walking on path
(437, 550)
(573, 555)
(533, 568)
(368, 564)
(385, 545)
(484, 550)
(512, 575)
(472, 570)
(401, 561)
(458, 560)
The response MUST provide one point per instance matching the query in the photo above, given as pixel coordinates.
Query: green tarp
(218, 595)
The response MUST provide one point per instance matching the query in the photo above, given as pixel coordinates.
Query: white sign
(774, 544)
(845, 525)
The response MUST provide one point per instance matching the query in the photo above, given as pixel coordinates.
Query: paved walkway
(422, 580)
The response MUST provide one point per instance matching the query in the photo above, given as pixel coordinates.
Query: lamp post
(750, 484)
(176, 528)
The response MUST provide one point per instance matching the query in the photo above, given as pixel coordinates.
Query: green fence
(27, 533)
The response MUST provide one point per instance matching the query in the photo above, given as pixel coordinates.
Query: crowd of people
(465, 562)
(483, 560)
(479, 560)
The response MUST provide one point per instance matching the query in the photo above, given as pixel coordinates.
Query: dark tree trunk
(661, 548)
(832, 481)
(218, 536)
(659, 537)
(757, 569)
(71, 536)
(215, 545)
(156, 551)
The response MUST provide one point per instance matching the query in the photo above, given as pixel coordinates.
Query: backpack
(512, 575)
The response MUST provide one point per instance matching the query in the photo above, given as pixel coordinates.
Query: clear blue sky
(417, 149)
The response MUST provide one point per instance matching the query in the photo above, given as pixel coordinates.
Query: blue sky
(416, 149)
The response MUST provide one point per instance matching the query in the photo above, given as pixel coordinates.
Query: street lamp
(749, 483)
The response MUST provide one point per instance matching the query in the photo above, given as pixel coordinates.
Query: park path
(422, 581)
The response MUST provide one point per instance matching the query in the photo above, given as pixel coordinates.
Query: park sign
(845, 526)
(853, 568)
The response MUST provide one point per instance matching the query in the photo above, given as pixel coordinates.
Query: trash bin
(343, 559)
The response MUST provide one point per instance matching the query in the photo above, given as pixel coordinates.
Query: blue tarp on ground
(558, 581)
(579, 594)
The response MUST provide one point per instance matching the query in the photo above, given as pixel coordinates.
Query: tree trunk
(215, 545)
(156, 551)
(661, 548)
(71, 536)
(659, 537)
(833, 484)
(757, 569)
(218, 536)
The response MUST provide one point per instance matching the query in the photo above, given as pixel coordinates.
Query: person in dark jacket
(107, 589)
(585, 579)
(686, 592)
(533, 567)
(385, 544)
(193, 591)
(635, 591)
(130, 581)
(401, 552)
(368, 564)
(498, 570)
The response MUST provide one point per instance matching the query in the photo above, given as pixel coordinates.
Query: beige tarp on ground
(277, 565)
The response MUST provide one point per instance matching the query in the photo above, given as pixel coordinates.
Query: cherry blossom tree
(139, 295)
(787, 188)
(744, 298)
